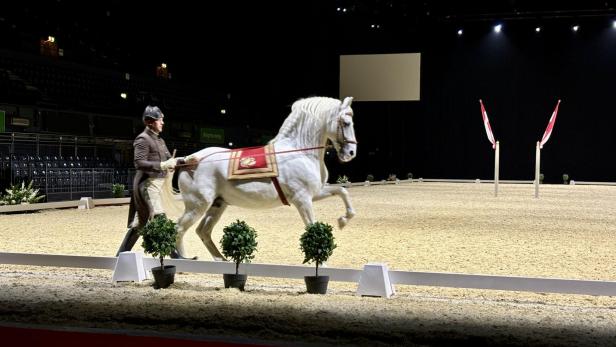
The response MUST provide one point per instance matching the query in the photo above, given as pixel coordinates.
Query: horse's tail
(171, 201)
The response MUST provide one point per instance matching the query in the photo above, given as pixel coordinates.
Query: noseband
(340, 134)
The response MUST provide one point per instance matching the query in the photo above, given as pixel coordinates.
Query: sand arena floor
(569, 232)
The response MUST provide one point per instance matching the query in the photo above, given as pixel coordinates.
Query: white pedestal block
(129, 267)
(374, 281)
(85, 203)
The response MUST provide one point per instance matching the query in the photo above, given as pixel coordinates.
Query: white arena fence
(432, 279)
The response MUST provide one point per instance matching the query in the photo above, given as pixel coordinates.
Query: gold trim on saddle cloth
(247, 163)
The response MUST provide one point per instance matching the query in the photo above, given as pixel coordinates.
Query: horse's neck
(302, 142)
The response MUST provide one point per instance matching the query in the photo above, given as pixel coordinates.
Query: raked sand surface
(569, 232)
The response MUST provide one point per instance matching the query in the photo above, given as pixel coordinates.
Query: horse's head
(343, 133)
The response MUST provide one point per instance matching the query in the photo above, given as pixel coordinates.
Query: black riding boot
(130, 239)
(176, 255)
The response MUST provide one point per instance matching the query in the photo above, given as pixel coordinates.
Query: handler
(153, 163)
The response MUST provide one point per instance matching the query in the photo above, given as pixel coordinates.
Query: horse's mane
(306, 118)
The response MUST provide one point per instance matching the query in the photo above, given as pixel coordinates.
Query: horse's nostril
(352, 152)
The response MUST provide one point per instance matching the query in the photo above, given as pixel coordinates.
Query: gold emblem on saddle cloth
(247, 163)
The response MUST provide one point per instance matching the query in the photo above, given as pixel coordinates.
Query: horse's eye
(347, 123)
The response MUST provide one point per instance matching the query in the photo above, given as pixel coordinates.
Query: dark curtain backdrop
(520, 75)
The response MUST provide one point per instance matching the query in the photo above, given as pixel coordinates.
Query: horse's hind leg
(204, 230)
(328, 191)
(192, 212)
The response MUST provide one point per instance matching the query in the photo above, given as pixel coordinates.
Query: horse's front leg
(328, 191)
(304, 207)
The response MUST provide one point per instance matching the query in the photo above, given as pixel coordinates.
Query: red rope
(257, 155)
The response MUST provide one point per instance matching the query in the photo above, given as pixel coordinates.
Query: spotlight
(538, 29)
(223, 111)
(614, 24)
(123, 96)
(460, 32)
(497, 28)
(576, 28)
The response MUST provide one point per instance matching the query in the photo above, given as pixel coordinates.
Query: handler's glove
(168, 164)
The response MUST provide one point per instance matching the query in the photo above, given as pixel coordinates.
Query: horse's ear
(347, 102)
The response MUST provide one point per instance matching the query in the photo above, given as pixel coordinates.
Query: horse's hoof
(342, 221)
(176, 255)
(350, 214)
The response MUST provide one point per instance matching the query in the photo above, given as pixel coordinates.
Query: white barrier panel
(264, 270)
(433, 279)
(91, 203)
(524, 284)
(58, 260)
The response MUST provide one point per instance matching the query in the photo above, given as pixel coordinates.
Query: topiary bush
(159, 237)
(565, 178)
(342, 179)
(21, 194)
(370, 178)
(117, 190)
(239, 242)
(317, 243)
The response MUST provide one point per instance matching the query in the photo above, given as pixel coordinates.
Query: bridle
(340, 138)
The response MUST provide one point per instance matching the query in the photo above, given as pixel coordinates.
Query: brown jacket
(150, 150)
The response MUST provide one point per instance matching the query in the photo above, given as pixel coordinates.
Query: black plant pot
(164, 277)
(235, 281)
(316, 285)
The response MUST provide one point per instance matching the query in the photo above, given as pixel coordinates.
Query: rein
(256, 155)
(340, 138)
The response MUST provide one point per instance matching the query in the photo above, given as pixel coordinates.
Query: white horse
(301, 171)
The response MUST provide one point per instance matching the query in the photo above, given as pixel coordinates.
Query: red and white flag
(486, 124)
(548, 130)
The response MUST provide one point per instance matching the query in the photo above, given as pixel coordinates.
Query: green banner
(212, 135)
(2, 121)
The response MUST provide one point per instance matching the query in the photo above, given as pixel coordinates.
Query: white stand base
(85, 203)
(374, 281)
(129, 267)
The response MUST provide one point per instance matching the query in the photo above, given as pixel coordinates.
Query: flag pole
(496, 165)
(537, 168)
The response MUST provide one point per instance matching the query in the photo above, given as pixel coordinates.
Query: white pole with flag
(537, 168)
(544, 139)
(495, 145)
(496, 165)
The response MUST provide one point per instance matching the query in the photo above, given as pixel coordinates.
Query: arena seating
(64, 178)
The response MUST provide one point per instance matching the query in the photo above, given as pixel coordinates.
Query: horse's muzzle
(347, 152)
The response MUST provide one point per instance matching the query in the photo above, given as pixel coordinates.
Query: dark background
(256, 58)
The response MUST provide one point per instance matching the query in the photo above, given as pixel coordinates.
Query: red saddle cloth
(253, 162)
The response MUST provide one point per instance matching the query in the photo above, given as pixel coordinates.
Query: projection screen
(380, 77)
